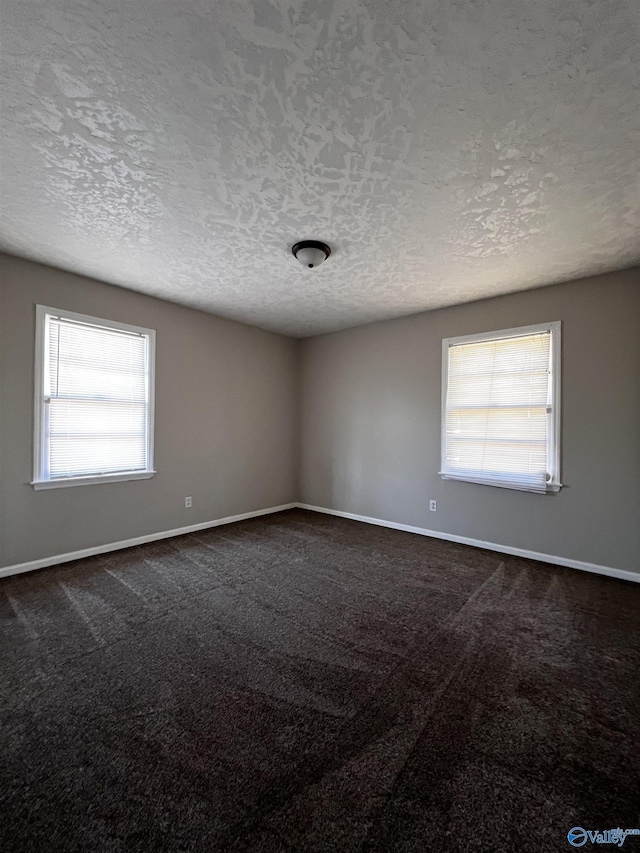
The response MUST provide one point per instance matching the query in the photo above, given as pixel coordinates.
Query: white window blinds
(499, 418)
(96, 400)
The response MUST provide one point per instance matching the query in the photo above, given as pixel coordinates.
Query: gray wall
(229, 425)
(226, 420)
(371, 424)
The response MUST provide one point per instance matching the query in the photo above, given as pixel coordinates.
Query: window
(93, 400)
(501, 408)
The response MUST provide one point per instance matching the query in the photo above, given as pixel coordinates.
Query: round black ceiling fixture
(311, 253)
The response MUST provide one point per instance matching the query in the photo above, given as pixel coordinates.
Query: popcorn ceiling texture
(447, 151)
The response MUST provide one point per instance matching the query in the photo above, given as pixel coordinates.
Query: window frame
(554, 484)
(39, 410)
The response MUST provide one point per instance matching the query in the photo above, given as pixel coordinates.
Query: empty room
(319, 426)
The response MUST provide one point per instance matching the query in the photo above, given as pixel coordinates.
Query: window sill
(549, 488)
(92, 480)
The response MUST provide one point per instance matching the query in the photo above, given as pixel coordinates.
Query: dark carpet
(307, 683)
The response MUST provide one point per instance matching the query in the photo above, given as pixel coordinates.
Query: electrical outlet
(187, 502)
(433, 506)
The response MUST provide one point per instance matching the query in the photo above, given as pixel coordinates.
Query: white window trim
(553, 439)
(39, 407)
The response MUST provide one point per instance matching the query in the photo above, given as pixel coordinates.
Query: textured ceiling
(446, 149)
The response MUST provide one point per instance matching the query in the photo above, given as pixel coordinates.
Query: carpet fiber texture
(308, 683)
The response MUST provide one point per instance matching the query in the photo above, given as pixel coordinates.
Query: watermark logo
(578, 836)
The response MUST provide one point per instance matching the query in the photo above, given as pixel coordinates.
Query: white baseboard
(138, 540)
(622, 574)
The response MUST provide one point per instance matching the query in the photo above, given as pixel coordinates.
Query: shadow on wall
(371, 471)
